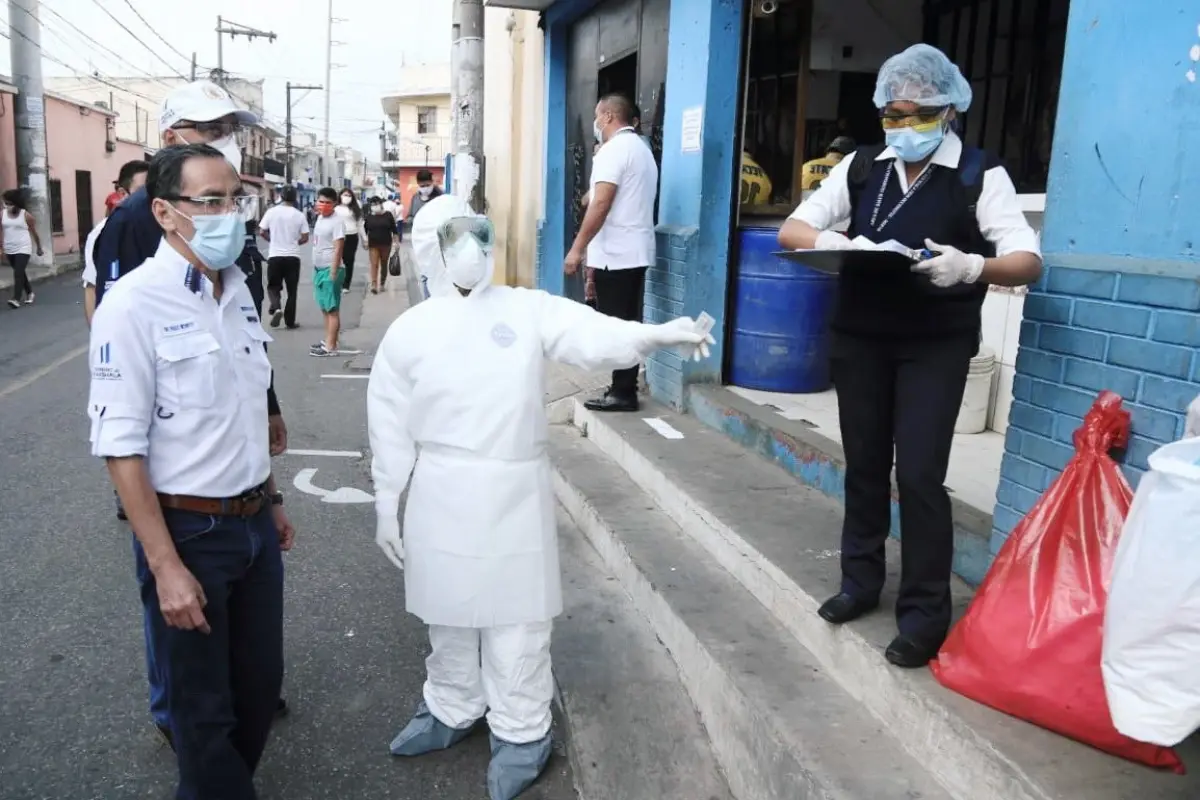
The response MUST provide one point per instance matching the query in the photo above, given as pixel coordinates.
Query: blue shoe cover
(424, 733)
(514, 767)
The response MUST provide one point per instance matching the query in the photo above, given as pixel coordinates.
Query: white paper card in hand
(704, 323)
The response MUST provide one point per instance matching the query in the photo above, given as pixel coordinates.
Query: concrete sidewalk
(67, 262)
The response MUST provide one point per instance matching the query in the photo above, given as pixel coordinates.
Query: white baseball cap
(200, 101)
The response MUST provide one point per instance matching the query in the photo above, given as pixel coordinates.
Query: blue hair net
(922, 74)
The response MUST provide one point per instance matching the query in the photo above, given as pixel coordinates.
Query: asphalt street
(73, 706)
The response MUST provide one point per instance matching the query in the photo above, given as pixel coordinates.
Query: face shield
(452, 246)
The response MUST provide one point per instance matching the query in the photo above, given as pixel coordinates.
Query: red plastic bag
(1029, 644)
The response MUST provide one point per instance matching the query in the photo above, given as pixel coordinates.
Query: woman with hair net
(456, 402)
(903, 340)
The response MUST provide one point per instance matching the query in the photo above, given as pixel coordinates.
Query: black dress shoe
(842, 608)
(911, 653)
(612, 402)
(282, 710)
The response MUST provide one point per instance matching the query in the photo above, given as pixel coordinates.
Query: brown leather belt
(246, 505)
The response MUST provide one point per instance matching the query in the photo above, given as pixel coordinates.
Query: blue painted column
(1117, 306)
(697, 184)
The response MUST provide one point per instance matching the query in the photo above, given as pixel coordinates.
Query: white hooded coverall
(456, 402)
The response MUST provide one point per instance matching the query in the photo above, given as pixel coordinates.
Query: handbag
(394, 263)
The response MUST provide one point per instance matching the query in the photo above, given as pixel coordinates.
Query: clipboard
(832, 262)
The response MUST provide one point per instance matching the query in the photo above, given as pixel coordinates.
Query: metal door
(611, 31)
(83, 205)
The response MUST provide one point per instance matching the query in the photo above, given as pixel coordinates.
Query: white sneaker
(14, 303)
(29, 300)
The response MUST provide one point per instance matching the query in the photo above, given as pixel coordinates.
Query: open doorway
(619, 77)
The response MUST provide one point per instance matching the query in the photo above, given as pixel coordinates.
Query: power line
(136, 38)
(170, 46)
(120, 58)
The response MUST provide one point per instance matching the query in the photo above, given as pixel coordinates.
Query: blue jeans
(221, 688)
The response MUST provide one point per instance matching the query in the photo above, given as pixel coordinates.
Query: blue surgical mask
(914, 146)
(219, 238)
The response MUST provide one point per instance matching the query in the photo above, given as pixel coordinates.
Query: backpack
(971, 168)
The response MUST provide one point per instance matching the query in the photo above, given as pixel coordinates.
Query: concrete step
(780, 540)
(780, 726)
(633, 733)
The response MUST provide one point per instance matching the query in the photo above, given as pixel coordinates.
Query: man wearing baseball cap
(200, 112)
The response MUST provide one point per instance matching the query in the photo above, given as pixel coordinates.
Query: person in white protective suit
(456, 402)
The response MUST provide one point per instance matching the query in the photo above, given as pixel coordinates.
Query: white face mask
(346, 200)
(229, 148)
(597, 132)
(466, 264)
(425, 191)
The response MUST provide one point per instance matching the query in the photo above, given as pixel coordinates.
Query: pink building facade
(84, 157)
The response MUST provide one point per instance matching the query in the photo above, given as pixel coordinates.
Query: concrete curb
(966, 763)
(41, 274)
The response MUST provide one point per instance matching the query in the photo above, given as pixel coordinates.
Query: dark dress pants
(283, 272)
(904, 394)
(620, 293)
(223, 686)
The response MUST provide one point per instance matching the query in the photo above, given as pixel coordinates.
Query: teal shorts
(327, 292)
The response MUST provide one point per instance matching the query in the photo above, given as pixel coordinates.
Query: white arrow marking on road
(341, 496)
(334, 453)
(347, 377)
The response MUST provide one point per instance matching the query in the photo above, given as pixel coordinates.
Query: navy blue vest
(903, 304)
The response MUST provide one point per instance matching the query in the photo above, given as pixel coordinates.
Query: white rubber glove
(681, 334)
(832, 240)
(387, 536)
(1193, 420)
(952, 267)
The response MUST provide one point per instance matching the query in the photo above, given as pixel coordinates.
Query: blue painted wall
(1117, 305)
(695, 215)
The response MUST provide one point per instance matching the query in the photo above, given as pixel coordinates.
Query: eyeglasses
(216, 129)
(459, 229)
(922, 118)
(241, 203)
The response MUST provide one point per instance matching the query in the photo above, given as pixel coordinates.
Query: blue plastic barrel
(781, 319)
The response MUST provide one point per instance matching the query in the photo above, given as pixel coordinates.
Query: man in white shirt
(616, 236)
(179, 413)
(131, 178)
(285, 229)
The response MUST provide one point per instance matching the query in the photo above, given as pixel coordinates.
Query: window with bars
(1012, 52)
(427, 119)
(56, 207)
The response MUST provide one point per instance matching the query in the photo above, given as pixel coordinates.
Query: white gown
(456, 401)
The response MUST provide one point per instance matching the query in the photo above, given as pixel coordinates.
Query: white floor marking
(333, 453)
(664, 430)
(348, 377)
(343, 495)
(42, 372)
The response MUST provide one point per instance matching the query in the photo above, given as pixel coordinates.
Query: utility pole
(193, 65)
(466, 55)
(287, 166)
(328, 83)
(30, 119)
(233, 30)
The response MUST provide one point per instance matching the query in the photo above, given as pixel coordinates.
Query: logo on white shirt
(102, 369)
(503, 335)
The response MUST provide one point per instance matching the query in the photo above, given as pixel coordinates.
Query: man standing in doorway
(617, 233)
(285, 229)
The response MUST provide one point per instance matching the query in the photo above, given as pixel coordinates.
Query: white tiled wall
(1002, 312)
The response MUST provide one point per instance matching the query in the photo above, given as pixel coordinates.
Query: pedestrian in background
(379, 229)
(426, 191)
(286, 231)
(329, 243)
(19, 238)
(131, 178)
(350, 215)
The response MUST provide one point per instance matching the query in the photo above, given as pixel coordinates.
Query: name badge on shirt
(178, 328)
